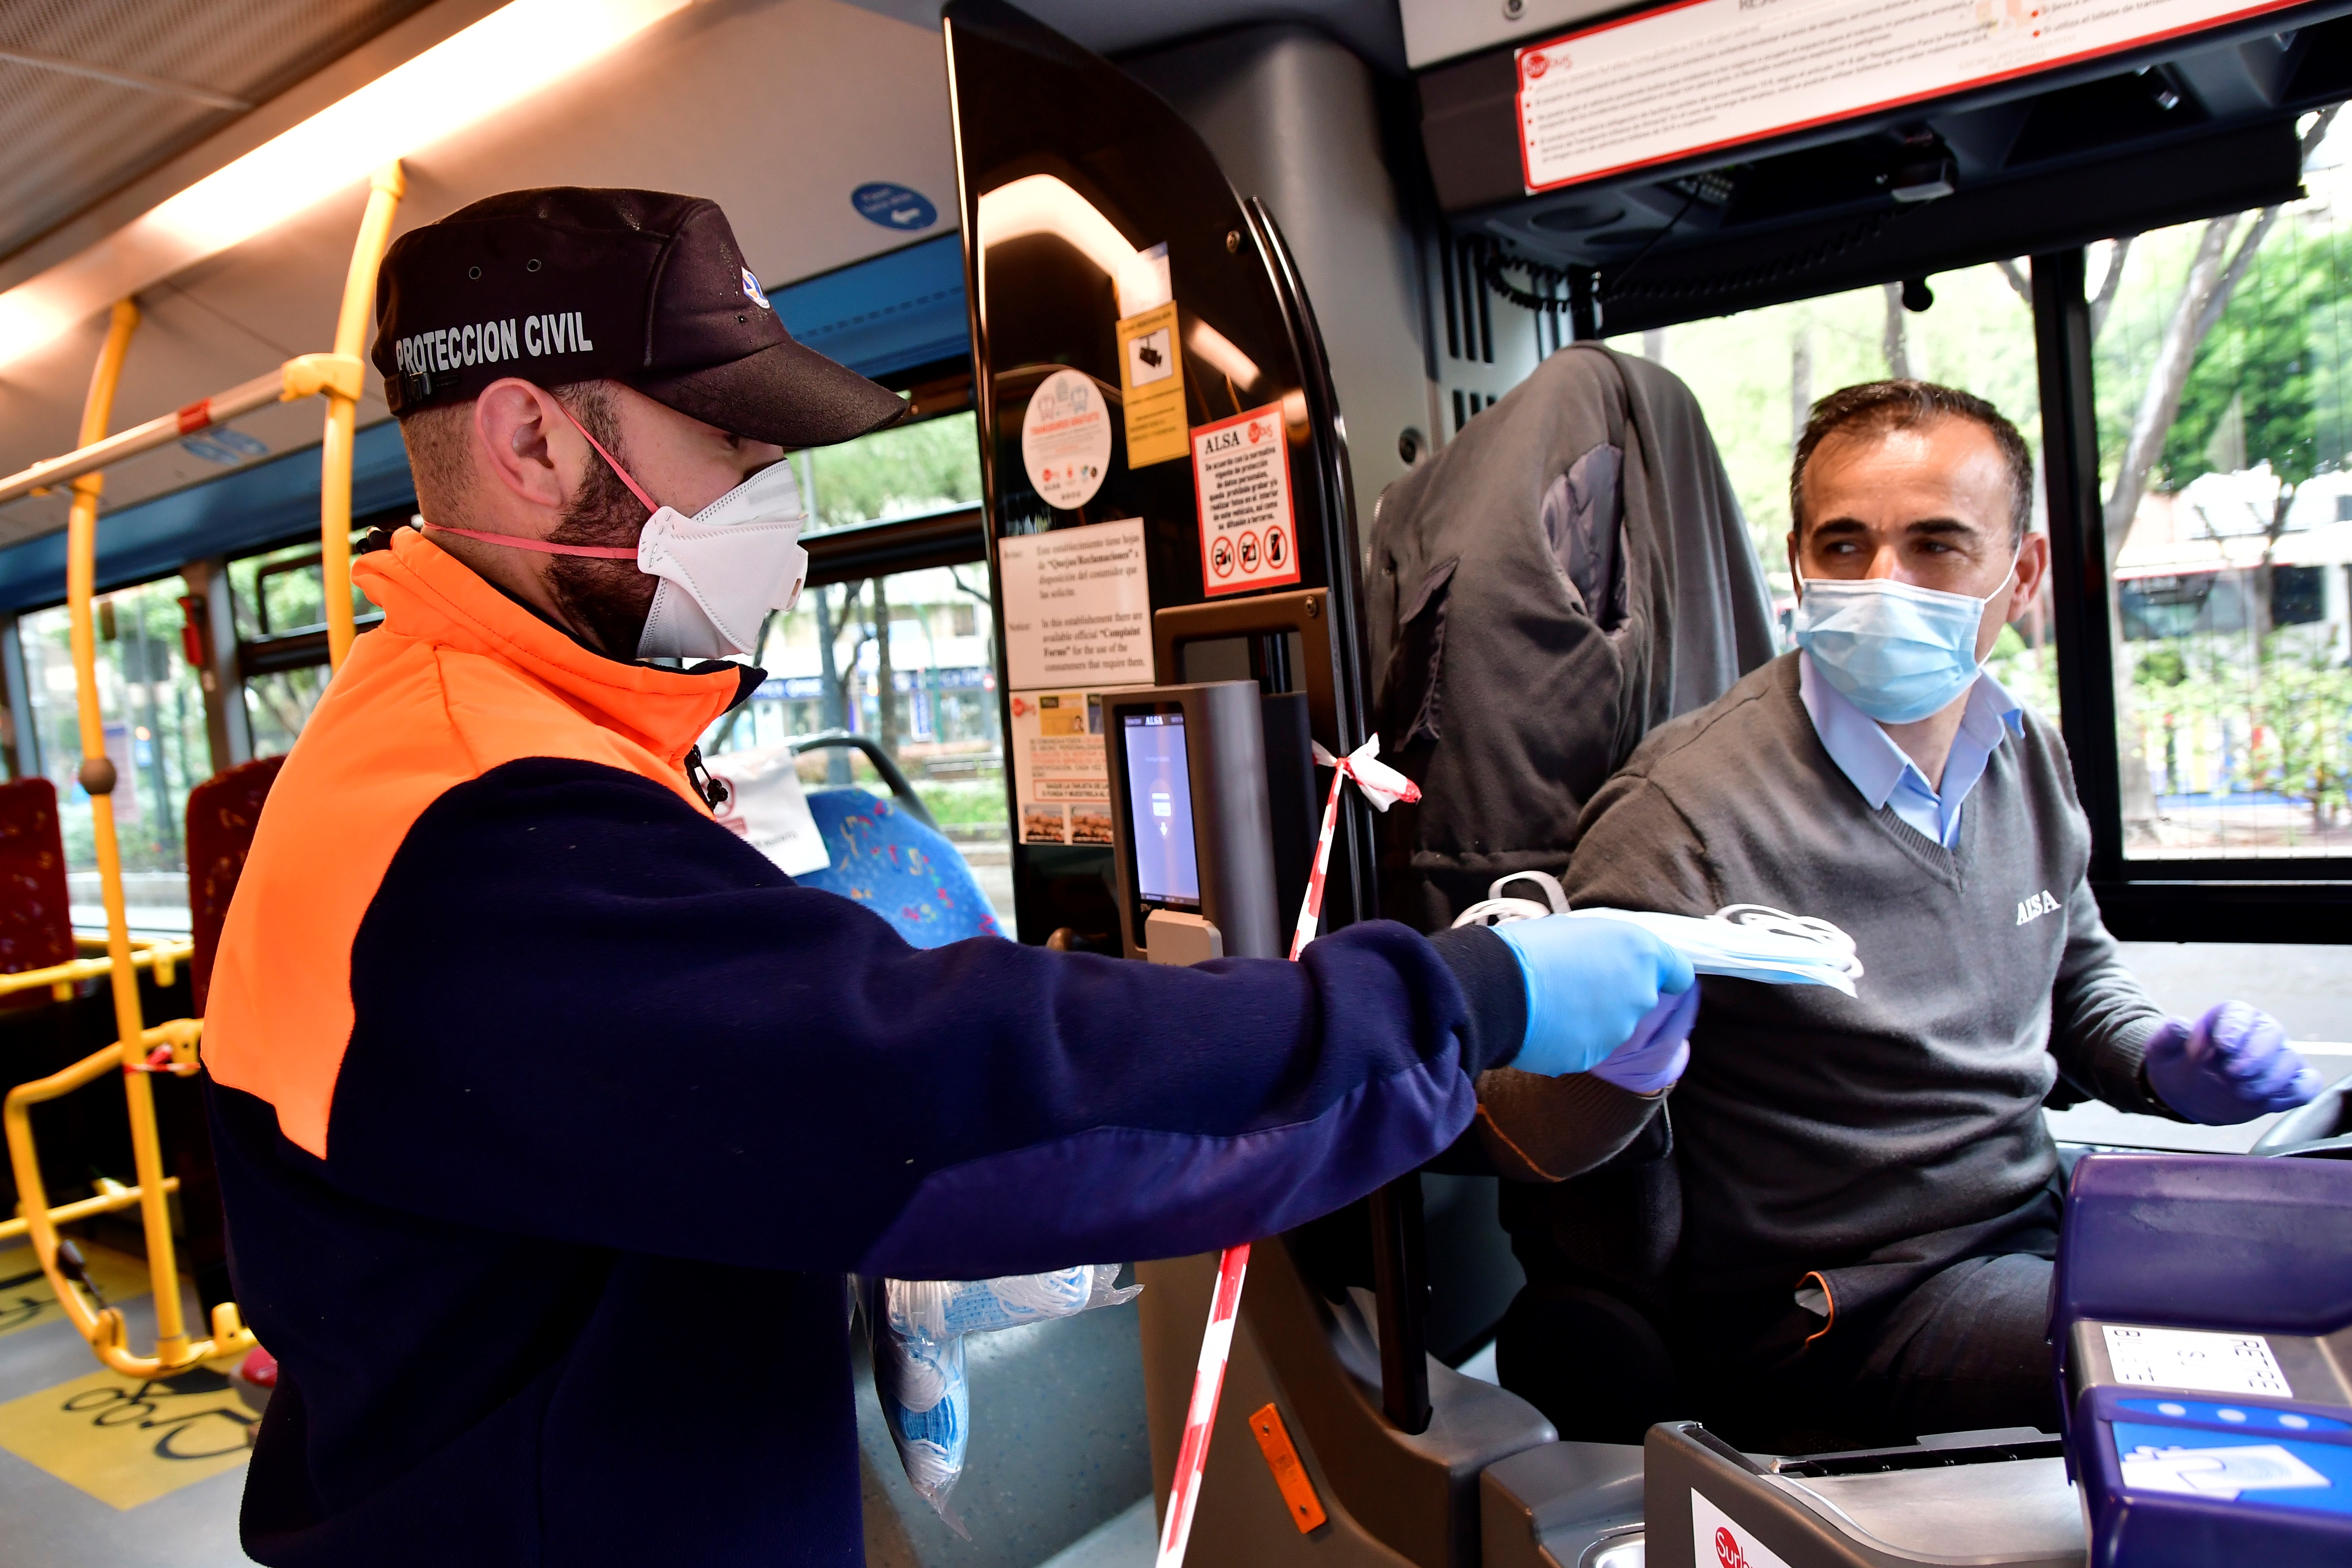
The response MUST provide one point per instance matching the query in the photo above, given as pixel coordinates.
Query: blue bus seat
(903, 869)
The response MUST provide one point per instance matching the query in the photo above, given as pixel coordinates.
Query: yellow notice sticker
(1151, 376)
(125, 1441)
(27, 1301)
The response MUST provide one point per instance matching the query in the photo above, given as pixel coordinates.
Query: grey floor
(45, 1523)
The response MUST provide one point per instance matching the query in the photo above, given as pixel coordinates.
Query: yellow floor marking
(126, 1442)
(27, 1301)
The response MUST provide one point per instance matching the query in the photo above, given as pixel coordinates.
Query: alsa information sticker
(1077, 607)
(1151, 377)
(1709, 74)
(1065, 439)
(1059, 769)
(1241, 476)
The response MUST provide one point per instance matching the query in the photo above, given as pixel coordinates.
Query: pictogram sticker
(126, 1441)
(1241, 477)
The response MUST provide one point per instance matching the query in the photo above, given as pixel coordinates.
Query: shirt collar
(1867, 755)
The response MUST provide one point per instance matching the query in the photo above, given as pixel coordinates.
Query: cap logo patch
(751, 292)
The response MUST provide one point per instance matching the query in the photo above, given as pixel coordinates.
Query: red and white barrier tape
(1380, 784)
(1208, 1382)
(1383, 786)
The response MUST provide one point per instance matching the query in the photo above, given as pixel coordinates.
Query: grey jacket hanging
(1568, 572)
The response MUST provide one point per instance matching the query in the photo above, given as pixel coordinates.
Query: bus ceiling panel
(819, 98)
(95, 95)
(2165, 96)
(1368, 28)
(2243, 167)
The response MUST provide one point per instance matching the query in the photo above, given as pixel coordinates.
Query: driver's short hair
(440, 442)
(1877, 406)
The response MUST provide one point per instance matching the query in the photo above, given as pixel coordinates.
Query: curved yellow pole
(134, 1041)
(385, 191)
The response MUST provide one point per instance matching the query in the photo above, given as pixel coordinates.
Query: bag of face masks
(916, 1329)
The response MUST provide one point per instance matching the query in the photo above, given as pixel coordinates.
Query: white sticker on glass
(1718, 1541)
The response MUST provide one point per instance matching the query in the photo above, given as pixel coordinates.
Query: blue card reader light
(2245, 1417)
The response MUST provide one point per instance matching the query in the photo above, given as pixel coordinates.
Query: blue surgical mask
(1897, 652)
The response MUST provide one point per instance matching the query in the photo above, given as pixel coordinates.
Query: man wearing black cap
(550, 1114)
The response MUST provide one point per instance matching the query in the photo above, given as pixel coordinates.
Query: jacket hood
(430, 596)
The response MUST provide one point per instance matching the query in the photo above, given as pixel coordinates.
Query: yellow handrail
(61, 978)
(385, 191)
(103, 1327)
(172, 1048)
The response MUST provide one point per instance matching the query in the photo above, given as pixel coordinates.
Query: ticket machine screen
(1160, 809)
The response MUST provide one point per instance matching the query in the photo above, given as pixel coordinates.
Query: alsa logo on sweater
(2034, 908)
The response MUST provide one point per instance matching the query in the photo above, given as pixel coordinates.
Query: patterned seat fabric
(36, 922)
(222, 812)
(907, 873)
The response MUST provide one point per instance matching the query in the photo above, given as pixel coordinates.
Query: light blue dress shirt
(1887, 775)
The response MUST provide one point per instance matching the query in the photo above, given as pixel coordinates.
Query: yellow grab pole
(385, 191)
(97, 778)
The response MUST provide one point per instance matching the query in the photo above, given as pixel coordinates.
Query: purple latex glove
(2233, 1065)
(1655, 1057)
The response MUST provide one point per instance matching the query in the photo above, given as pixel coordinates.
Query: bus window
(153, 709)
(281, 635)
(2223, 360)
(926, 690)
(1756, 374)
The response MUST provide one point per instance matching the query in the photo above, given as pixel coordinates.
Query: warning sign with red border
(1702, 74)
(1241, 472)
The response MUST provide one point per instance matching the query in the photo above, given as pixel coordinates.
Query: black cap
(567, 284)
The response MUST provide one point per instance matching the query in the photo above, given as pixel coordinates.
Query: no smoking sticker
(1241, 473)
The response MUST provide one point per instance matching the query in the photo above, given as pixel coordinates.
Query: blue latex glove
(1590, 983)
(2233, 1065)
(1655, 1057)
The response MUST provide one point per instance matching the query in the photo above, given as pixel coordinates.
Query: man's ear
(2032, 565)
(1796, 571)
(512, 420)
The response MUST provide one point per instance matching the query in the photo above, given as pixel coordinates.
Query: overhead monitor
(1707, 75)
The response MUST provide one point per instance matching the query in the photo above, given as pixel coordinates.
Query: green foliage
(2028, 674)
(2164, 665)
(915, 468)
(2259, 354)
(2288, 720)
(1745, 371)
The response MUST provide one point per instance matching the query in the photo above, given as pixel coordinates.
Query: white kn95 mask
(720, 571)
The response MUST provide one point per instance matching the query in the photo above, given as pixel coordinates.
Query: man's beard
(610, 599)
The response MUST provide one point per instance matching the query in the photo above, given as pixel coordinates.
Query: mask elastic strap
(540, 546)
(516, 542)
(651, 506)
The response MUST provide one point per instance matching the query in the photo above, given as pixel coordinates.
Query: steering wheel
(2321, 1130)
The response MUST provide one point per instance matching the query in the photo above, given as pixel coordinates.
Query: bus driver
(1869, 1191)
(527, 1078)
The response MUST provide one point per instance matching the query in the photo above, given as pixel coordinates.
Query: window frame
(2146, 899)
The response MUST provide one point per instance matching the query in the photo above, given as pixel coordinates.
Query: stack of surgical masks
(917, 1329)
(1742, 942)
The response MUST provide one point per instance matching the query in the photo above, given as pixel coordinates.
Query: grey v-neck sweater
(1818, 1131)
